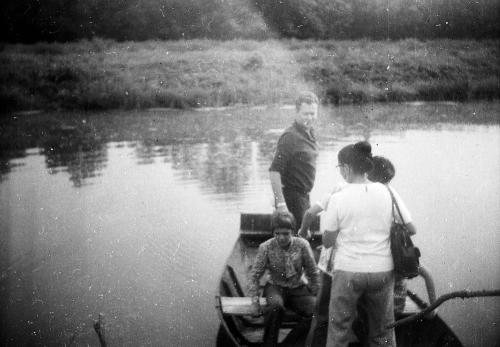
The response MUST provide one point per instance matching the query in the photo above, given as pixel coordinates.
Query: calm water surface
(133, 214)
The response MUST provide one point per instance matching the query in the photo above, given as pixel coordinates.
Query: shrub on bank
(102, 74)
(487, 88)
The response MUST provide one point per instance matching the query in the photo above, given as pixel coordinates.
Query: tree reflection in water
(213, 147)
(228, 164)
(6, 165)
(79, 151)
(222, 166)
(145, 152)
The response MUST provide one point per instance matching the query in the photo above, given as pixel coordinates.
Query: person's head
(383, 171)
(282, 224)
(355, 160)
(306, 105)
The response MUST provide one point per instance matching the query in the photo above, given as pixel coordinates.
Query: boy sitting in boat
(287, 258)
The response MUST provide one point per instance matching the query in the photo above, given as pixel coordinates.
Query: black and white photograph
(245, 173)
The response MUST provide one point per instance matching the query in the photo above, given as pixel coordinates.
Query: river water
(133, 214)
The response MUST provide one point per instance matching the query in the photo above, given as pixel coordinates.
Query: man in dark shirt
(286, 258)
(293, 169)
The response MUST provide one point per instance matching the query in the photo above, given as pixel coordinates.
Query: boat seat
(239, 306)
(242, 306)
(235, 302)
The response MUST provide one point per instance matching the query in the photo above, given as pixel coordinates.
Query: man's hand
(256, 309)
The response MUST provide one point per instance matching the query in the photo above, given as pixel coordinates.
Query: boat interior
(240, 328)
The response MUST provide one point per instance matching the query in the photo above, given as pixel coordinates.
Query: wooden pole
(99, 329)
(458, 294)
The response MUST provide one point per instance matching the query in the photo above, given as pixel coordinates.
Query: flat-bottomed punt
(239, 328)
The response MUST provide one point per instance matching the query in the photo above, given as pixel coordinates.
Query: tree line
(30, 21)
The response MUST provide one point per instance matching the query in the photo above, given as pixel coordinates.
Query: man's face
(283, 236)
(307, 114)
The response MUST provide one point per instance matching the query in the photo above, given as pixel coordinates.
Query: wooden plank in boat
(239, 306)
(242, 306)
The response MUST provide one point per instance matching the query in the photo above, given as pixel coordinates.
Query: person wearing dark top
(287, 258)
(293, 168)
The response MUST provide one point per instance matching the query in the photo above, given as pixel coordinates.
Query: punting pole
(99, 329)
(458, 294)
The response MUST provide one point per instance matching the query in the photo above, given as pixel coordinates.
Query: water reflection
(77, 150)
(5, 162)
(213, 147)
(227, 164)
(221, 166)
(136, 245)
(145, 152)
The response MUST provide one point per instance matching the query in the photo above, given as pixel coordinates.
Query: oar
(458, 294)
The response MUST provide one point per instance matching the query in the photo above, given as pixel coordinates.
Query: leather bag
(404, 253)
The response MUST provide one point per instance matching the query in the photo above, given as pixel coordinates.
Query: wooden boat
(239, 328)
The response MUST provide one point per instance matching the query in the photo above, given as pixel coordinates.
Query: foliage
(104, 74)
(31, 21)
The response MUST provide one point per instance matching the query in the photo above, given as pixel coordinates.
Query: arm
(329, 238)
(279, 199)
(257, 271)
(315, 209)
(307, 220)
(338, 187)
(278, 167)
(311, 270)
(331, 224)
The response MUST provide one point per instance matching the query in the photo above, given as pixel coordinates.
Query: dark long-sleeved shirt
(295, 158)
(285, 266)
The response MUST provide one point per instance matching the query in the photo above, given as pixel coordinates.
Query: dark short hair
(282, 220)
(306, 98)
(383, 171)
(357, 156)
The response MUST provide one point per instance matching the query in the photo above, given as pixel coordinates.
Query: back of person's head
(383, 171)
(283, 219)
(357, 156)
(306, 97)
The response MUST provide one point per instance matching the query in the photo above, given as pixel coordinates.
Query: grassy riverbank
(103, 74)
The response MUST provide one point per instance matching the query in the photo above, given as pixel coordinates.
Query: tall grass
(103, 74)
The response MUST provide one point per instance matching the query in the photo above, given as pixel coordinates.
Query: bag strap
(330, 258)
(394, 203)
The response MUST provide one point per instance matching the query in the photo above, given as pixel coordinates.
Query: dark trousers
(298, 299)
(297, 203)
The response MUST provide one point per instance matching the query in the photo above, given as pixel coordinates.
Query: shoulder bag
(404, 253)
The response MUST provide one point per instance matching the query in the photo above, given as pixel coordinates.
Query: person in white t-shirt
(383, 171)
(357, 222)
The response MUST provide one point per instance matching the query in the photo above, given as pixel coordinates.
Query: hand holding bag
(404, 253)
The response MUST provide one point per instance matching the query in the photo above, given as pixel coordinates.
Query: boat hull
(238, 328)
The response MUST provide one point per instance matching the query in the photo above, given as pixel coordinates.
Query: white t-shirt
(362, 213)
